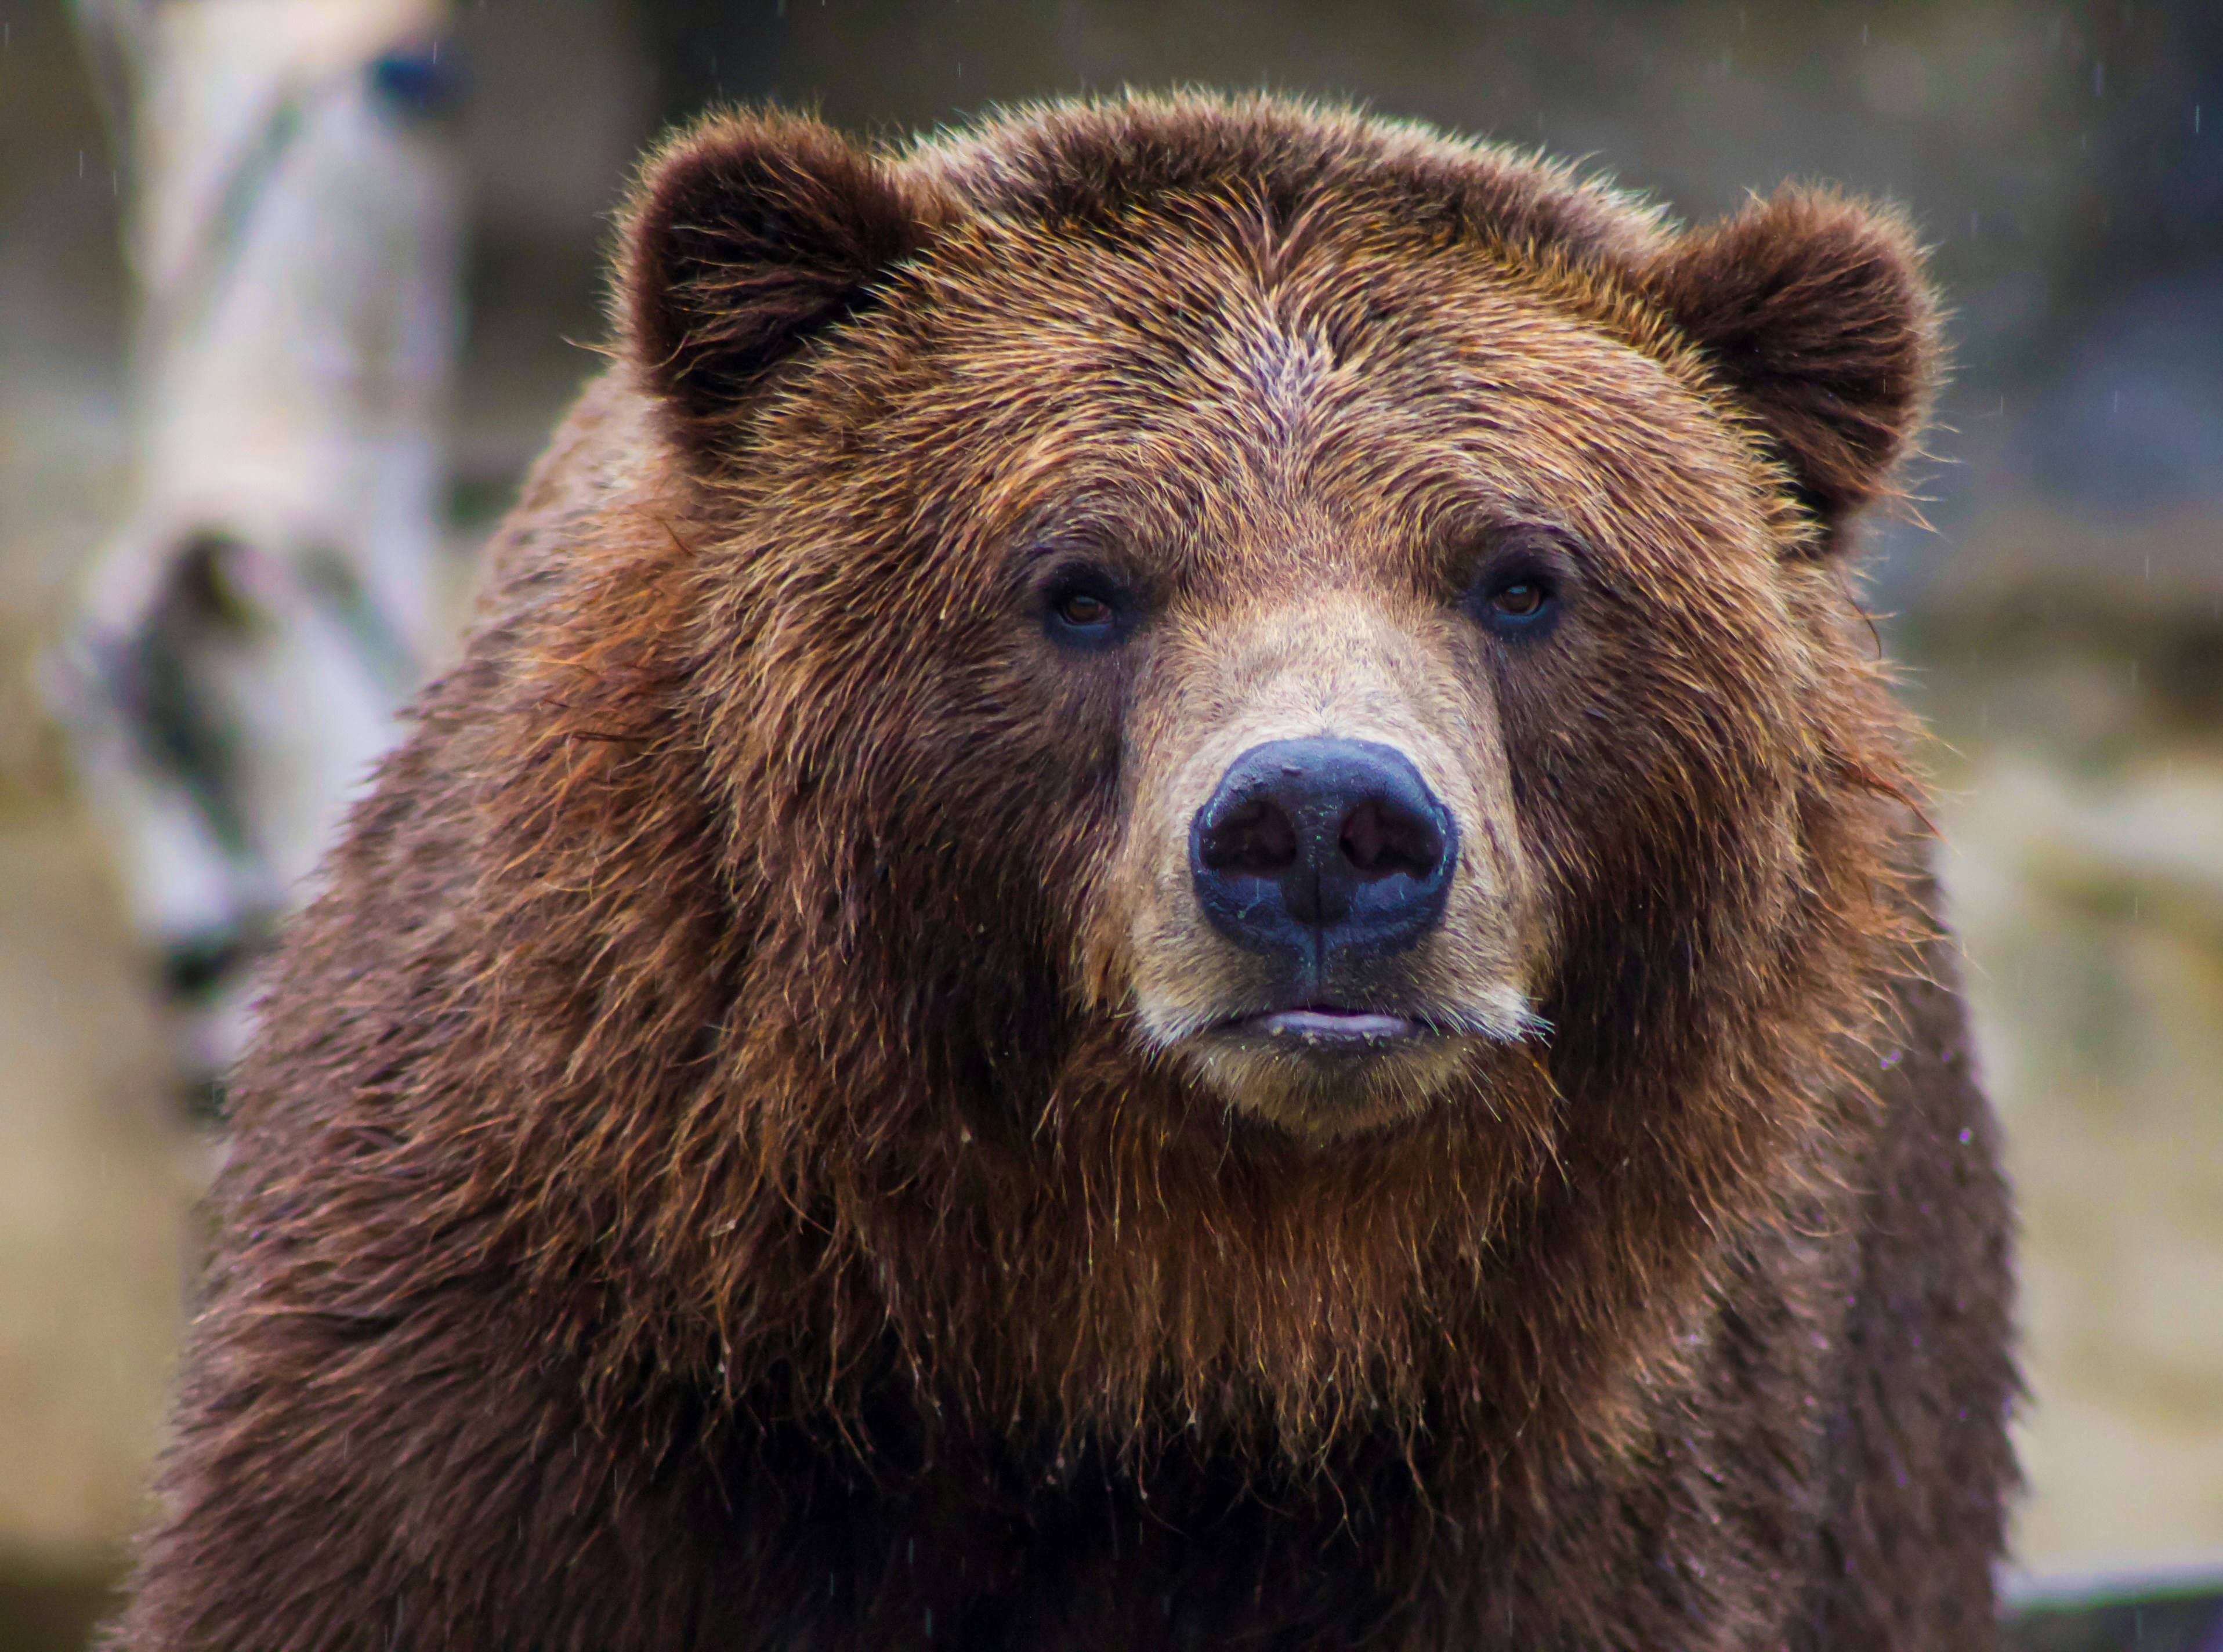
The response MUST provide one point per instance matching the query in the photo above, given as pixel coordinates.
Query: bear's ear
(1815, 312)
(747, 235)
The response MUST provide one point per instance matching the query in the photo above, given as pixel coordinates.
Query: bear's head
(1292, 753)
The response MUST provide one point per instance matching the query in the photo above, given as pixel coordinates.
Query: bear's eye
(1518, 600)
(1087, 609)
(1517, 591)
(1521, 600)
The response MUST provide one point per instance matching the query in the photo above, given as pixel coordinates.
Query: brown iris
(1519, 599)
(1083, 608)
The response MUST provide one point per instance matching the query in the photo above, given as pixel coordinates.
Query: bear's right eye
(1087, 609)
(1082, 609)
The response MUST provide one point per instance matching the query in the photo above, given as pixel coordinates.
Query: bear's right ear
(747, 235)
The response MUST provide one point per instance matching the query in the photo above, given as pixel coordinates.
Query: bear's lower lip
(1324, 1027)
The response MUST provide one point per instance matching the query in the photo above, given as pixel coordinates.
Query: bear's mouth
(1329, 1028)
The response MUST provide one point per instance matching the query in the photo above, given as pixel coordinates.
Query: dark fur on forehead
(1089, 162)
(1810, 309)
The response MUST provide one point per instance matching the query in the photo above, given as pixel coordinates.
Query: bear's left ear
(746, 236)
(1814, 312)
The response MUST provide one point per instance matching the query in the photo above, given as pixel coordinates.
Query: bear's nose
(1322, 849)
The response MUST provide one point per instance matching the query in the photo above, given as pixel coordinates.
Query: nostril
(1256, 836)
(1381, 840)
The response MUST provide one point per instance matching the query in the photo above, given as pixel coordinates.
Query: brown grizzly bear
(1170, 902)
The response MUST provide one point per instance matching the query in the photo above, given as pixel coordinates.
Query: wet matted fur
(748, 1150)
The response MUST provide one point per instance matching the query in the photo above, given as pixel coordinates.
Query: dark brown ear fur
(747, 234)
(1815, 312)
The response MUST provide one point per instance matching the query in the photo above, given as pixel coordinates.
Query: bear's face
(1297, 640)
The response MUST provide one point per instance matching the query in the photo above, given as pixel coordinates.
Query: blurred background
(291, 290)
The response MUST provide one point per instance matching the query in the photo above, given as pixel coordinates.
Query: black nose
(1324, 849)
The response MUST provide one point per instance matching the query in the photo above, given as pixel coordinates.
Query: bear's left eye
(1087, 608)
(1519, 599)
(1518, 591)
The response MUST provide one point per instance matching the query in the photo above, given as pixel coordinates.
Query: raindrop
(2099, 79)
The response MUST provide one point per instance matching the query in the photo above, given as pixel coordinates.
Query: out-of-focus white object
(248, 637)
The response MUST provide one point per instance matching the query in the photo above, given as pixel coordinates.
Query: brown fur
(737, 1155)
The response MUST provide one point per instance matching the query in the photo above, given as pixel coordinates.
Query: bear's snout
(1318, 851)
(1321, 907)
